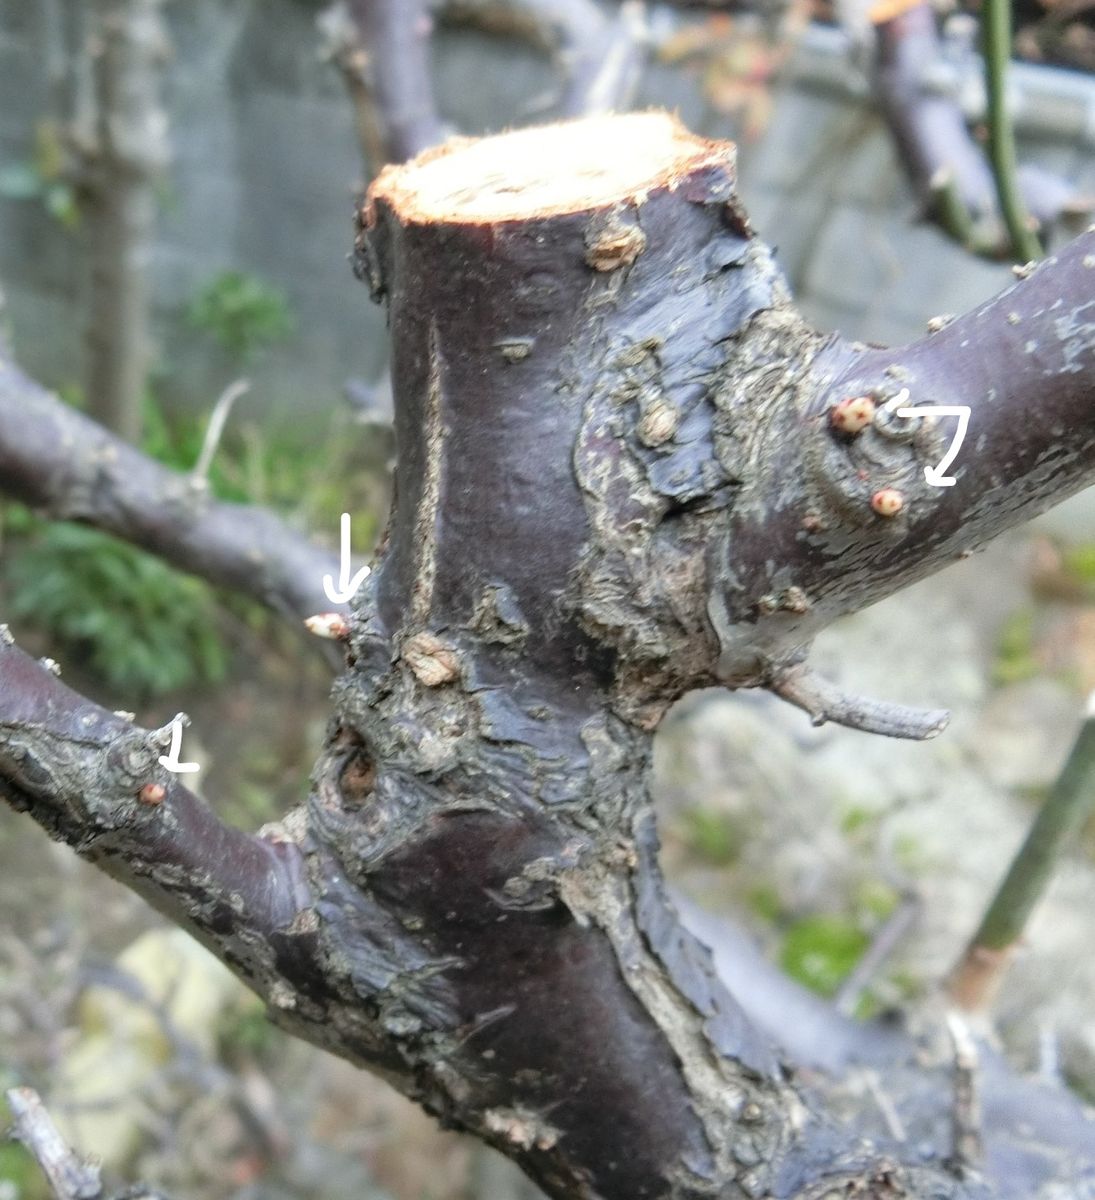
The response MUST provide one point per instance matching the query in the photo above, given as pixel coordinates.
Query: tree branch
(57, 460)
(600, 57)
(395, 36)
(69, 1177)
(128, 49)
(93, 780)
(947, 168)
(808, 539)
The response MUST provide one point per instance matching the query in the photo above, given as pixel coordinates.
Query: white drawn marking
(937, 476)
(346, 585)
(171, 759)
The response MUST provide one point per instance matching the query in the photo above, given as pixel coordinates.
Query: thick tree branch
(619, 478)
(92, 779)
(57, 460)
(809, 538)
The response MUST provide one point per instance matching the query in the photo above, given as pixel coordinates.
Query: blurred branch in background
(57, 460)
(69, 1176)
(123, 166)
(396, 35)
(996, 50)
(977, 977)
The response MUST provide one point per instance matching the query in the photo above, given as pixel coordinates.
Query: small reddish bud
(152, 793)
(853, 414)
(329, 625)
(887, 502)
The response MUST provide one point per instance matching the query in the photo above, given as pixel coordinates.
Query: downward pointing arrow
(346, 586)
(171, 759)
(937, 476)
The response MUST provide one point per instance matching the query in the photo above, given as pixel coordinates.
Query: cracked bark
(618, 479)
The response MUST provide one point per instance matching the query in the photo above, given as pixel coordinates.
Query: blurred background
(819, 840)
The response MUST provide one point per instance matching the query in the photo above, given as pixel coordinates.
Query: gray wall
(266, 166)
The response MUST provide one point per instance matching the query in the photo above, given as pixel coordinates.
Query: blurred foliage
(144, 628)
(43, 177)
(1014, 660)
(1079, 561)
(242, 313)
(714, 836)
(820, 951)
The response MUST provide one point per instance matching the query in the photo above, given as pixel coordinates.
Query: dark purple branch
(395, 34)
(61, 462)
(808, 540)
(92, 779)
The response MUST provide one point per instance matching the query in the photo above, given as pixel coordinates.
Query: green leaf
(820, 951)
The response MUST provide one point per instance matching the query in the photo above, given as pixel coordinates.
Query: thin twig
(824, 701)
(70, 1177)
(967, 1152)
(977, 976)
(199, 476)
(996, 38)
(893, 932)
(343, 49)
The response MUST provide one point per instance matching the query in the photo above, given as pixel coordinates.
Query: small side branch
(199, 476)
(95, 781)
(57, 460)
(69, 1176)
(824, 701)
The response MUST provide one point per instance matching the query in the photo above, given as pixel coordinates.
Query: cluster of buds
(851, 416)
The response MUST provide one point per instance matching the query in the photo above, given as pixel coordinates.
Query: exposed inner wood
(570, 167)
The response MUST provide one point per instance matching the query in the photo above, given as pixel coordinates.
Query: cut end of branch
(551, 170)
(824, 701)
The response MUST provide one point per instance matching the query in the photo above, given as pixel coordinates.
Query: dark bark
(618, 479)
(58, 461)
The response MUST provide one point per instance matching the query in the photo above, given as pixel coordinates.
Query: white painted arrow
(937, 476)
(346, 586)
(171, 759)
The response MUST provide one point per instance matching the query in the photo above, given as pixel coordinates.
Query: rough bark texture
(618, 479)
